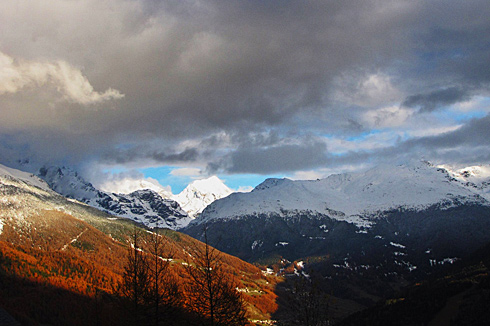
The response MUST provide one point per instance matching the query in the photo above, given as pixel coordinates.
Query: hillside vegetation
(63, 263)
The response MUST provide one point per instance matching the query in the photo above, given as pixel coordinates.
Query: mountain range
(61, 260)
(366, 233)
(151, 207)
(357, 197)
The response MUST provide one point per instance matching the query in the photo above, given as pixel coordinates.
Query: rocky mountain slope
(143, 206)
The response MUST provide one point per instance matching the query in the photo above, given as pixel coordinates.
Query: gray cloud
(280, 158)
(466, 145)
(233, 78)
(474, 133)
(431, 101)
(148, 156)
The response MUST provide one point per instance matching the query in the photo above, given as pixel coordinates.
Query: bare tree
(165, 295)
(135, 283)
(211, 291)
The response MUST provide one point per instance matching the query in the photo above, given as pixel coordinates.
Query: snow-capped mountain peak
(476, 177)
(129, 185)
(200, 193)
(352, 195)
(402, 219)
(67, 182)
(270, 182)
(475, 174)
(143, 206)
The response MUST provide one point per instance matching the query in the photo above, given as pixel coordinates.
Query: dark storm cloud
(144, 155)
(437, 99)
(455, 45)
(281, 158)
(222, 64)
(239, 77)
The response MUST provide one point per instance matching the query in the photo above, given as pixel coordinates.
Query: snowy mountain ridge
(23, 194)
(129, 185)
(200, 193)
(142, 206)
(476, 177)
(25, 177)
(476, 173)
(398, 219)
(352, 197)
(152, 206)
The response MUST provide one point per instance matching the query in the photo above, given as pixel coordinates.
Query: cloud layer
(242, 86)
(69, 81)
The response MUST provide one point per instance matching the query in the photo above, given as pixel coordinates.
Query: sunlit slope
(48, 239)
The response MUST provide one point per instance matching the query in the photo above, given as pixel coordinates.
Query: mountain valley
(58, 252)
(360, 237)
(367, 234)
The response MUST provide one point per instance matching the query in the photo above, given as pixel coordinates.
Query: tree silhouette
(135, 286)
(211, 291)
(164, 294)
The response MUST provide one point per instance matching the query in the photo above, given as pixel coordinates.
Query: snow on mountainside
(200, 193)
(351, 196)
(23, 194)
(476, 177)
(28, 178)
(129, 185)
(143, 206)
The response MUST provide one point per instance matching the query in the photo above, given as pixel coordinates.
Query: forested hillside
(64, 263)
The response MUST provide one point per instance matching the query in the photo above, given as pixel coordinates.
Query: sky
(171, 91)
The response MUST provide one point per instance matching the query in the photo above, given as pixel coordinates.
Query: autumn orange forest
(60, 270)
(66, 263)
